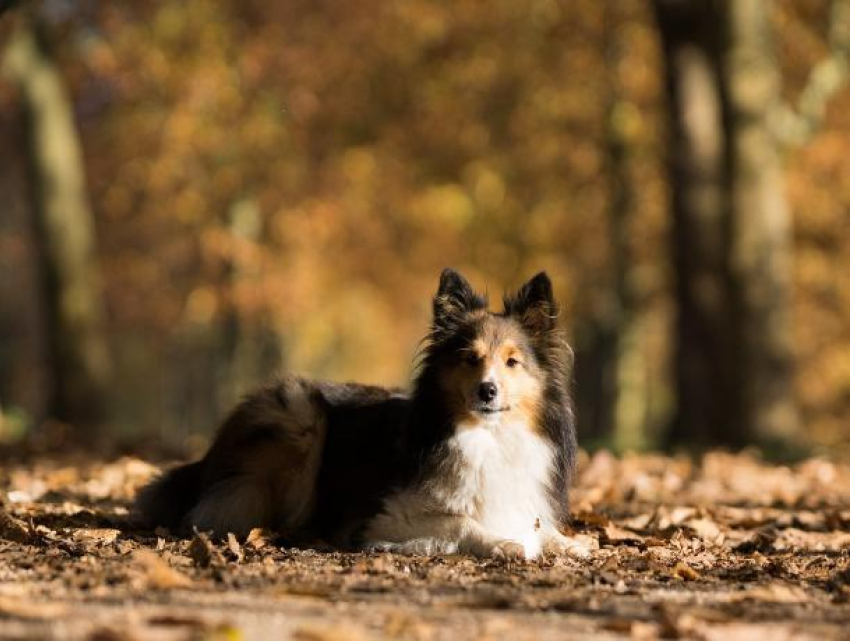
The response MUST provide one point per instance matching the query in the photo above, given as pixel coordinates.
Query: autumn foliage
(279, 185)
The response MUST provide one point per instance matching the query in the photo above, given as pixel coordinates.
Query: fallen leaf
(234, 547)
(158, 573)
(685, 571)
(203, 552)
(704, 528)
(257, 538)
(615, 534)
(176, 621)
(761, 541)
(12, 529)
(102, 536)
(591, 518)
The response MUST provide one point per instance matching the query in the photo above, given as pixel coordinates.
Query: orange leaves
(382, 143)
(157, 573)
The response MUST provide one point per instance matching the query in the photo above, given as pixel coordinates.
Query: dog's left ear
(455, 298)
(534, 305)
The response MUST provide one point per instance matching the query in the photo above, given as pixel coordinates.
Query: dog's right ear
(455, 298)
(534, 305)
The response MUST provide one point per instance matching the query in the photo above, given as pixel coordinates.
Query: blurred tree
(797, 124)
(64, 230)
(252, 347)
(609, 358)
(731, 228)
(628, 373)
(257, 186)
(760, 233)
(814, 122)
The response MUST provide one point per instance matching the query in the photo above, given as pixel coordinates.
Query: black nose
(487, 391)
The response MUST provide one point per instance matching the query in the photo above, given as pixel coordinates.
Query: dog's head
(492, 365)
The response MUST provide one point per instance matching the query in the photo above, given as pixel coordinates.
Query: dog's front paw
(508, 551)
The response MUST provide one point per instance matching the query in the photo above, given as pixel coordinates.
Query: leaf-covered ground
(725, 548)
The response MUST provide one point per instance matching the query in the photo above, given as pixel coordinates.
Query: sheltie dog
(476, 459)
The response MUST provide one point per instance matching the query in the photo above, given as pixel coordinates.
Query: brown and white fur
(476, 459)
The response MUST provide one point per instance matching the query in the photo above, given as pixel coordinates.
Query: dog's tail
(168, 498)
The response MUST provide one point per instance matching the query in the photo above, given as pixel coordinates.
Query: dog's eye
(512, 362)
(471, 358)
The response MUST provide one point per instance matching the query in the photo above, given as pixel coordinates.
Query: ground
(727, 547)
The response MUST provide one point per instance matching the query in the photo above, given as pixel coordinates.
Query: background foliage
(279, 185)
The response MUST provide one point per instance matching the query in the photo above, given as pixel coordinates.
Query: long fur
(435, 470)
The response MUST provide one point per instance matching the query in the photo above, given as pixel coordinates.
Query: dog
(476, 459)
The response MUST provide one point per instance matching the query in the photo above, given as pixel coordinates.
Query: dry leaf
(257, 538)
(203, 552)
(761, 541)
(12, 529)
(705, 529)
(97, 536)
(592, 518)
(616, 534)
(234, 547)
(685, 571)
(158, 573)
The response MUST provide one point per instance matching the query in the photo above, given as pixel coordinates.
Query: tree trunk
(708, 400)
(64, 229)
(610, 372)
(629, 385)
(761, 236)
(730, 229)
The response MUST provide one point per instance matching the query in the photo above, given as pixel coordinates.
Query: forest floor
(727, 547)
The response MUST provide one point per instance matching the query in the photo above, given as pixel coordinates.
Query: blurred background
(196, 194)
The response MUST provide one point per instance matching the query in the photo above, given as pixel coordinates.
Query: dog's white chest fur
(490, 487)
(502, 481)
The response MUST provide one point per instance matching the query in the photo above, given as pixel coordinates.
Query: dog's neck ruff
(502, 469)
